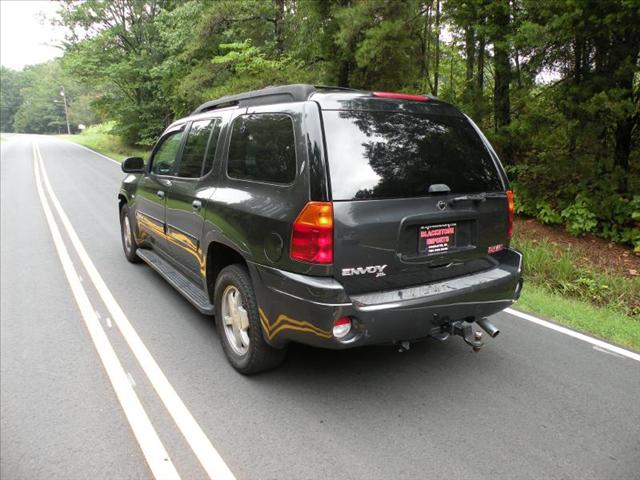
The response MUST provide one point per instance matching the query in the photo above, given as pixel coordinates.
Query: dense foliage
(555, 84)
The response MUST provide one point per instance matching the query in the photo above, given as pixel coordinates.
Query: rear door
(190, 189)
(417, 198)
(263, 184)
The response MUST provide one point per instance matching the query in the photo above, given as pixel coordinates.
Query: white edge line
(146, 436)
(603, 350)
(208, 456)
(580, 336)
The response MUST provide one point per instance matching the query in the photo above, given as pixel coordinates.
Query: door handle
(196, 204)
(160, 193)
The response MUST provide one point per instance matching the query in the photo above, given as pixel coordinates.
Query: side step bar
(186, 287)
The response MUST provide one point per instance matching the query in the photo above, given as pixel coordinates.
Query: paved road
(533, 404)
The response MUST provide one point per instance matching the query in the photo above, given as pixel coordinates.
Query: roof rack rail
(332, 87)
(285, 93)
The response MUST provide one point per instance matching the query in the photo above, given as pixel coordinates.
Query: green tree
(11, 84)
(41, 110)
(115, 45)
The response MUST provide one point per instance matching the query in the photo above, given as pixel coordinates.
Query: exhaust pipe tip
(488, 327)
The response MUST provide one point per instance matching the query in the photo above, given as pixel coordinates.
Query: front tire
(238, 323)
(129, 244)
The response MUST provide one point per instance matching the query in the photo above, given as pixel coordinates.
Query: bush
(579, 217)
(599, 210)
(559, 271)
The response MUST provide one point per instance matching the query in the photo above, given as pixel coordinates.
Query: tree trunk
(502, 66)
(428, 24)
(279, 26)
(501, 88)
(481, 54)
(343, 74)
(470, 53)
(622, 150)
(518, 71)
(437, 59)
(479, 108)
(424, 44)
(626, 125)
(451, 83)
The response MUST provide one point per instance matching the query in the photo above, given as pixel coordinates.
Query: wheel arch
(218, 256)
(122, 200)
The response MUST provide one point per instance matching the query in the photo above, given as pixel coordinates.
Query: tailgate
(381, 244)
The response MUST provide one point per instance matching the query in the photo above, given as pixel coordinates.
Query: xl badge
(377, 269)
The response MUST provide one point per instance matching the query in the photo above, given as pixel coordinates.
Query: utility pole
(66, 111)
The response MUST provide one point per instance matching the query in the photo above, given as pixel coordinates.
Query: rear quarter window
(262, 148)
(377, 154)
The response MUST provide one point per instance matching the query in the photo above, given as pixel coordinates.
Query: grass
(604, 304)
(559, 271)
(100, 139)
(603, 322)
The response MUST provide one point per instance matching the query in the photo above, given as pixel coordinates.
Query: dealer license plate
(433, 239)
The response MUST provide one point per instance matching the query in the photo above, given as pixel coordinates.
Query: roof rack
(282, 94)
(285, 93)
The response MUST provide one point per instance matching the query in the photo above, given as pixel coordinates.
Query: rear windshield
(392, 155)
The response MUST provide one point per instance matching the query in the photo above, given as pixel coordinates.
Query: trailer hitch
(465, 330)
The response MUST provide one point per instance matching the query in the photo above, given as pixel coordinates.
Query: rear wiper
(477, 198)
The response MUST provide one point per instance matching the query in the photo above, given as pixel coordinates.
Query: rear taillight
(312, 234)
(401, 96)
(511, 208)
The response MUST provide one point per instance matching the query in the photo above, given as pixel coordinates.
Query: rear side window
(195, 148)
(394, 155)
(262, 148)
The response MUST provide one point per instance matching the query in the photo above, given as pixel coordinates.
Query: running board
(186, 287)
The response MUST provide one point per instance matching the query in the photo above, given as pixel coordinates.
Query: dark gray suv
(326, 216)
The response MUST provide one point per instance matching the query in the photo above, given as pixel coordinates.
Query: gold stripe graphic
(286, 323)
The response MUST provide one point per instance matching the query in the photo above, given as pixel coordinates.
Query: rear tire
(129, 244)
(238, 323)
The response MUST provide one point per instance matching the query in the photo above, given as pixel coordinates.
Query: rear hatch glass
(390, 230)
(381, 154)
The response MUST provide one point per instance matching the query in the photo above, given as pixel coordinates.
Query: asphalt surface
(533, 404)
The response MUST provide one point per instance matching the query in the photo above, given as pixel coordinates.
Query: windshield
(395, 155)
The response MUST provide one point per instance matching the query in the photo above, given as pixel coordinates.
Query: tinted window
(262, 148)
(195, 148)
(391, 155)
(165, 156)
(211, 150)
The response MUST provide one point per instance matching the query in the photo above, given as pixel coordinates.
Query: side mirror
(133, 165)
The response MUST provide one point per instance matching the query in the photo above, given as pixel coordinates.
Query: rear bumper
(300, 308)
